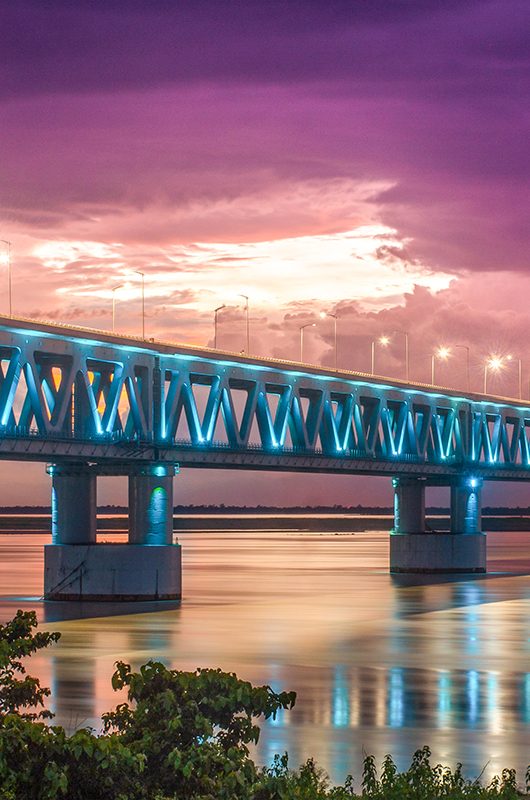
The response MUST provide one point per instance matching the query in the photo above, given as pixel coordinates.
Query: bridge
(91, 403)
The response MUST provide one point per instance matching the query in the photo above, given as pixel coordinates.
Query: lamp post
(138, 272)
(302, 328)
(383, 341)
(407, 357)
(493, 363)
(9, 293)
(114, 289)
(215, 313)
(519, 373)
(323, 315)
(466, 348)
(248, 321)
(443, 354)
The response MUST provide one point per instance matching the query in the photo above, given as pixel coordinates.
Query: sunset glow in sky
(369, 159)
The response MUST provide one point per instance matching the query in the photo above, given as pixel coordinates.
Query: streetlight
(216, 311)
(138, 272)
(8, 261)
(443, 354)
(114, 289)
(519, 373)
(383, 341)
(248, 321)
(302, 328)
(493, 363)
(466, 348)
(323, 315)
(407, 359)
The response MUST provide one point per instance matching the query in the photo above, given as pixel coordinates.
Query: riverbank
(347, 523)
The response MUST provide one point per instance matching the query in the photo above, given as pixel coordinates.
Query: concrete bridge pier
(74, 504)
(151, 505)
(414, 549)
(147, 567)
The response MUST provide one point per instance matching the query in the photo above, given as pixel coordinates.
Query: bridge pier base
(148, 567)
(413, 549)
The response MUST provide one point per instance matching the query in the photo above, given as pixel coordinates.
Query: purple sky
(366, 158)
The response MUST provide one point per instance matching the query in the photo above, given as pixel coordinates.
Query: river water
(380, 664)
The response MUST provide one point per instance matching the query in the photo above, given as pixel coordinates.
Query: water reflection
(80, 671)
(403, 697)
(379, 664)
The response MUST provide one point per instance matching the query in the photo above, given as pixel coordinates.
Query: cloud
(274, 273)
(139, 46)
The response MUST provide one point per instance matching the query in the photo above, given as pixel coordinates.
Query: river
(380, 663)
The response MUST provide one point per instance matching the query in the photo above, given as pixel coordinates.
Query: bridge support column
(151, 505)
(412, 549)
(74, 506)
(466, 508)
(148, 567)
(409, 505)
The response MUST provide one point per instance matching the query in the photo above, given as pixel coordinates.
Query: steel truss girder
(71, 395)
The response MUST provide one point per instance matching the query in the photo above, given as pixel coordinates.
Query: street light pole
(443, 354)
(334, 317)
(494, 363)
(216, 311)
(466, 348)
(407, 360)
(385, 340)
(248, 321)
(114, 289)
(519, 374)
(302, 328)
(138, 272)
(9, 292)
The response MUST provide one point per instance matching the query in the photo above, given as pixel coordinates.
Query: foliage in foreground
(181, 736)
(19, 691)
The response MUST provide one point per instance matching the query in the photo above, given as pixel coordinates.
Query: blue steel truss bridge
(73, 394)
(92, 403)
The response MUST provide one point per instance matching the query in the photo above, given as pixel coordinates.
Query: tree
(17, 641)
(193, 728)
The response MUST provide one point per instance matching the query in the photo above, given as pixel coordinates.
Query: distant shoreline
(25, 522)
(223, 510)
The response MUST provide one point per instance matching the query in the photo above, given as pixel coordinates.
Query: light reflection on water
(380, 664)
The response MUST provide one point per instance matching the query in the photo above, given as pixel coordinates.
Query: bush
(18, 641)
(38, 762)
(193, 728)
(181, 736)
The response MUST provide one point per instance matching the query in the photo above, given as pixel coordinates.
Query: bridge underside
(114, 460)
